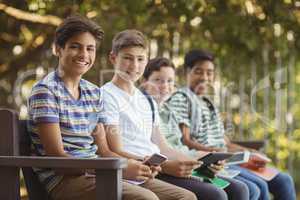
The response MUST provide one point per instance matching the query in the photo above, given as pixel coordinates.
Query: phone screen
(155, 160)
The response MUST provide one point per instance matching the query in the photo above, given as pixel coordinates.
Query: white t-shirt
(133, 115)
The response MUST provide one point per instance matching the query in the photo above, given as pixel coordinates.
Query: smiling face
(160, 84)
(129, 63)
(78, 55)
(201, 76)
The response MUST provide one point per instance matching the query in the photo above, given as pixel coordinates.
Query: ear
(215, 75)
(187, 72)
(174, 89)
(144, 84)
(56, 50)
(112, 58)
(53, 48)
(143, 80)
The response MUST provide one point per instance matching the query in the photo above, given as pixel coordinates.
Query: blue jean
(235, 191)
(254, 191)
(281, 187)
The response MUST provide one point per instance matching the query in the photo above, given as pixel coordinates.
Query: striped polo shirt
(169, 126)
(51, 102)
(200, 115)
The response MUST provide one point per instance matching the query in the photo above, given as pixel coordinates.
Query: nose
(135, 62)
(205, 77)
(83, 52)
(164, 85)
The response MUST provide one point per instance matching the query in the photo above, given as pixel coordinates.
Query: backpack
(150, 100)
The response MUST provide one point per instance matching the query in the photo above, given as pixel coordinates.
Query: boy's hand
(215, 168)
(180, 168)
(257, 161)
(99, 131)
(136, 170)
(213, 149)
(155, 170)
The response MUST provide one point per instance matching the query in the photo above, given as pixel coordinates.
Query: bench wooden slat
(60, 162)
(253, 144)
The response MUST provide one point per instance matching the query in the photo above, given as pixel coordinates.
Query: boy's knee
(285, 178)
(254, 191)
(219, 194)
(183, 194)
(145, 195)
(149, 196)
(263, 185)
(282, 182)
(243, 188)
(237, 190)
(188, 195)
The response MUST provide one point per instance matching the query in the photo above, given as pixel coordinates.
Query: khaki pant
(84, 188)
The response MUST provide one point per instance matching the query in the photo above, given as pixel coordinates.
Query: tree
(251, 40)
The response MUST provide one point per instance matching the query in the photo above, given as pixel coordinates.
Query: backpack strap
(150, 100)
(211, 106)
(188, 99)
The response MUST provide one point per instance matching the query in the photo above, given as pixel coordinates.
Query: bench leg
(10, 183)
(109, 184)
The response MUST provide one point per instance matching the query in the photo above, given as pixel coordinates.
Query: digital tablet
(213, 158)
(238, 158)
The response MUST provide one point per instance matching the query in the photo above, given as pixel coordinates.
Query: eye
(127, 58)
(74, 46)
(141, 59)
(91, 49)
(170, 81)
(198, 72)
(210, 73)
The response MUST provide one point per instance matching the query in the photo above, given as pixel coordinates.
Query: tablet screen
(213, 158)
(238, 158)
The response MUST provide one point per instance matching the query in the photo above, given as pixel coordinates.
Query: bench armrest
(62, 162)
(253, 144)
(108, 173)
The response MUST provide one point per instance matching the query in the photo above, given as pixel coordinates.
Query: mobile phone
(155, 160)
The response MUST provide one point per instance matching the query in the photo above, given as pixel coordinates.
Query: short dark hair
(196, 55)
(128, 38)
(73, 25)
(156, 64)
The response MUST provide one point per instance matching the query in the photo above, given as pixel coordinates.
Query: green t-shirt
(170, 128)
(200, 115)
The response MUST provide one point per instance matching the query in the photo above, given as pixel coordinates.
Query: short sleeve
(109, 114)
(156, 114)
(43, 106)
(179, 104)
(100, 108)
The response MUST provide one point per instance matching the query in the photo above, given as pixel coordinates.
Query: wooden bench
(252, 144)
(15, 155)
